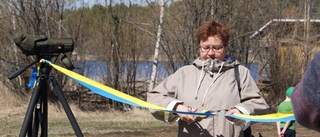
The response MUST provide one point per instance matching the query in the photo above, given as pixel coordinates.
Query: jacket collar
(213, 65)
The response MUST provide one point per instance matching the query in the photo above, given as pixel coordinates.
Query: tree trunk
(156, 50)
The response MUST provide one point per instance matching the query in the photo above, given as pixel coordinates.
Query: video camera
(41, 45)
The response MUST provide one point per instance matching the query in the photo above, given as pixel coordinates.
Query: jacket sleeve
(251, 100)
(164, 95)
(305, 98)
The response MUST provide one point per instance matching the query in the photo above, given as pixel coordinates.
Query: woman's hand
(186, 117)
(280, 134)
(233, 111)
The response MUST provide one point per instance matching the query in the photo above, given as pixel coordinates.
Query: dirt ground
(263, 129)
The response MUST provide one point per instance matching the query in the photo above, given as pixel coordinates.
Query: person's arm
(251, 100)
(286, 127)
(278, 130)
(165, 95)
(305, 96)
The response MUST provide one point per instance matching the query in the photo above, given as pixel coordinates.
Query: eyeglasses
(213, 48)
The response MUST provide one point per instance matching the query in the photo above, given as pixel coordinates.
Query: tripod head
(64, 60)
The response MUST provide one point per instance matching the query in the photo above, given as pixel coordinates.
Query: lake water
(98, 69)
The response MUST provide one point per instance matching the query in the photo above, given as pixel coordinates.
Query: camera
(41, 45)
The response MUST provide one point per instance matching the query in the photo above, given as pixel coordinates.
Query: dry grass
(135, 123)
(91, 123)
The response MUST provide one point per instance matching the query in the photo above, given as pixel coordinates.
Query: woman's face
(212, 48)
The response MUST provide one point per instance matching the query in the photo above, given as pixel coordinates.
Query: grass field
(135, 123)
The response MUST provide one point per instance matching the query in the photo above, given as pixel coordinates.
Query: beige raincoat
(208, 85)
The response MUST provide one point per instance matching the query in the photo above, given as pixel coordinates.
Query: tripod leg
(27, 123)
(37, 116)
(44, 116)
(66, 107)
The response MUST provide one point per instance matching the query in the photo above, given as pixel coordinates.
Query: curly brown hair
(213, 28)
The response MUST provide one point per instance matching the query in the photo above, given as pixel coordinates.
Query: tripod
(37, 111)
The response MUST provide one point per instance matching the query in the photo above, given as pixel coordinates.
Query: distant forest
(159, 31)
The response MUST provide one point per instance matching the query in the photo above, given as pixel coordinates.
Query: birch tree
(156, 50)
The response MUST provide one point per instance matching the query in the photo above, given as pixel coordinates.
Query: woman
(208, 84)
